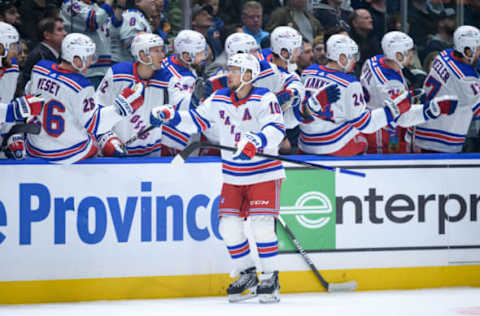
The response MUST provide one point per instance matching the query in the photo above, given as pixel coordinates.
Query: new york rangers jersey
(156, 92)
(258, 112)
(70, 118)
(183, 79)
(94, 21)
(380, 83)
(134, 22)
(449, 76)
(340, 122)
(8, 85)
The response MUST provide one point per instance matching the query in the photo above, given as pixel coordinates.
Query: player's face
(409, 58)
(157, 54)
(200, 57)
(233, 77)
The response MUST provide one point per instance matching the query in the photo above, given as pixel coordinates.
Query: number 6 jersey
(70, 117)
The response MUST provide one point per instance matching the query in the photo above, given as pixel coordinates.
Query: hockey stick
(180, 158)
(28, 128)
(329, 286)
(140, 134)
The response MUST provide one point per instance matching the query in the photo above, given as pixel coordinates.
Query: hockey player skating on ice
(381, 79)
(251, 119)
(452, 72)
(71, 120)
(148, 50)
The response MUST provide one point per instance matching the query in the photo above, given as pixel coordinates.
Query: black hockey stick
(329, 286)
(180, 158)
(140, 134)
(27, 128)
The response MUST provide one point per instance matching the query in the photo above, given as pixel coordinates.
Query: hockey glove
(15, 147)
(417, 96)
(441, 105)
(111, 145)
(129, 100)
(328, 95)
(161, 114)
(26, 106)
(248, 145)
(396, 105)
(287, 98)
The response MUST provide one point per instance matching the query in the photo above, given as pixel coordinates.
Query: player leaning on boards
(381, 79)
(251, 119)
(452, 73)
(21, 108)
(334, 128)
(70, 118)
(159, 88)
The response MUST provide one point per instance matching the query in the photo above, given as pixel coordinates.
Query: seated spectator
(252, 13)
(9, 13)
(443, 39)
(51, 33)
(361, 32)
(331, 14)
(422, 23)
(319, 53)
(202, 22)
(296, 15)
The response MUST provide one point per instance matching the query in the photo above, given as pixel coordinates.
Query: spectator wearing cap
(331, 14)
(443, 39)
(51, 32)
(202, 22)
(296, 15)
(9, 13)
(252, 20)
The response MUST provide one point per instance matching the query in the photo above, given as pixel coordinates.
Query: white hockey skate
(268, 290)
(245, 287)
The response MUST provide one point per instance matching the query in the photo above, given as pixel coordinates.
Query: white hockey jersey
(70, 118)
(258, 112)
(449, 76)
(329, 131)
(94, 21)
(134, 22)
(8, 85)
(156, 92)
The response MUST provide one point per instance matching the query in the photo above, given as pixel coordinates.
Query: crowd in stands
(114, 24)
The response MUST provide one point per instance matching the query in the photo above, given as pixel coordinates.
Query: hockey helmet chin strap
(242, 82)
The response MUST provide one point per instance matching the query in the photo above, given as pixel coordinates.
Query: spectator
(174, 15)
(21, 58)
(295, 15)
(229, 10)
(422, 23)
(217, 26)
(319, 53)
(51, 32)
(361, 32)
(202, 23)
(252, 13)
(446, 25)
(9, 13)
(269, 6)
(31, 12)
(331, 14)
(378, 10)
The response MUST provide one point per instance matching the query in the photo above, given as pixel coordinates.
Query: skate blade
(269, 298)
(235, 298)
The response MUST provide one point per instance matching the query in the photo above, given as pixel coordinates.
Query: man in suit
(51, 32)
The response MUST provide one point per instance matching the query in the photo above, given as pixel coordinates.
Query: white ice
(427, 302)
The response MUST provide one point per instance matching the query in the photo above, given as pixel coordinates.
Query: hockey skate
(245, 287)
(269, 289)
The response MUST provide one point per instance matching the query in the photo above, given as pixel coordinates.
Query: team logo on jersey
(308, 207)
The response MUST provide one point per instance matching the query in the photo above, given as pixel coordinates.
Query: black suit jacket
(38, 53)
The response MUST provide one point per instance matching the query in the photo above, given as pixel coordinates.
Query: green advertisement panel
(307, 204)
